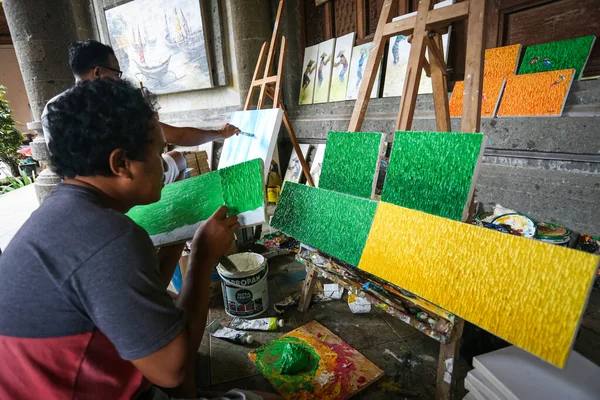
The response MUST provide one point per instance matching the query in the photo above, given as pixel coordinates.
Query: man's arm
(186, 136)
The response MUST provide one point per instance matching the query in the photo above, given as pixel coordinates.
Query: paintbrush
(246, 134)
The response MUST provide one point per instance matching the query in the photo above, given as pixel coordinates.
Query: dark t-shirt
(80, 293)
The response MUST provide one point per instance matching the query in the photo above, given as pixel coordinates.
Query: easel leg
(308, 289)
(448, 358)
(440, 86)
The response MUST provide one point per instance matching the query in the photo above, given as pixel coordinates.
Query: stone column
(41, 32)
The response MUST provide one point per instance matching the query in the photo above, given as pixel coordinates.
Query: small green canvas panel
(432, 171)
(335, 223)
(554, 56)
(184, 205)
(351, 163)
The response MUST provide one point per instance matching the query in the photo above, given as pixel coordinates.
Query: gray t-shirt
(77, 266)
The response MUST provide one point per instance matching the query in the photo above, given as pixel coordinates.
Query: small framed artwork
(161, 43)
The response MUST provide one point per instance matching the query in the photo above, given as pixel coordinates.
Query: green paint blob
(269, 360)
(294, 359)
(554, 56)
(350, 162)
(239, 187)
(335, 223)
(432, 171)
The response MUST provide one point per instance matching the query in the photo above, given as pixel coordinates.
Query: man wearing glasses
(91, 60)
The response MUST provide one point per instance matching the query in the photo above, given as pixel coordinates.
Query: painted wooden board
(294, 169)
(263, 126)
(338, 370)
(185, 205)
(398, 52)
(309, 73)
(529, 293)
(501, 62)
(434, 172)
(341, 67)
(324, 70)
(351, 163)
(317, 164)
(560, 55)
(543, 94)
(360, 55)
(490, 98)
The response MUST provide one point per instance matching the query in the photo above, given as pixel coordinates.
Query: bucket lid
(247, 263)
(550, 231)
(523, 224)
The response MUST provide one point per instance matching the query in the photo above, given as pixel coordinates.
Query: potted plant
(10, 137)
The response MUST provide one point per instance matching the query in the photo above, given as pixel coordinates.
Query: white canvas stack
(513, 374)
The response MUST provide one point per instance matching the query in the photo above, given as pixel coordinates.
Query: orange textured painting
(490, 98)
(536, 95)
(501, 61)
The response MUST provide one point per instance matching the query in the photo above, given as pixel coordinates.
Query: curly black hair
(88, 54)
(92, 119)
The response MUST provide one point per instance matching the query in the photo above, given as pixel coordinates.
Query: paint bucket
(245, 292)
(523, 224)
(553, 233)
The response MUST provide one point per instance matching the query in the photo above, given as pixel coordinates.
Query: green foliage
(10, 137)
(16, 183)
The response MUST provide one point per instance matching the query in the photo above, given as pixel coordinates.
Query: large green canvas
(432, 171)
(554, 56)
(351, 162)
(335, 223)
(184, 205)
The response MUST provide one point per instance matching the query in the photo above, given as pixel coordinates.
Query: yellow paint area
(527, 292)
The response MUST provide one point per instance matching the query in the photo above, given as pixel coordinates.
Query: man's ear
(120, 164)
(96, 73)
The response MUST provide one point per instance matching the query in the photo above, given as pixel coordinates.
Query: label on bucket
(245, 302)
(245, 280)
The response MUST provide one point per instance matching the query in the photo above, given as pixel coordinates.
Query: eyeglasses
(119, 72)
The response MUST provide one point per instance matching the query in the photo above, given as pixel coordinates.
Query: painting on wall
(360, 55)
(257, 140)
(324, 68)
(341, 67)
(161, 43)
(294, 169)
(317, 164)
(398, 53)
(309, 69)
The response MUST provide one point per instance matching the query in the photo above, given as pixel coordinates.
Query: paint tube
(260, 324)
(216, 330)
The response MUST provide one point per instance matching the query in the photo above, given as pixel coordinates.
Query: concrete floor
(408, 357)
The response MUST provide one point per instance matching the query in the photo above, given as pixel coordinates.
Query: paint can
(553, 233)
(523, 224)
(245, 292)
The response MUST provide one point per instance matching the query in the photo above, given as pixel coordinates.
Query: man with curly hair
(84, 313)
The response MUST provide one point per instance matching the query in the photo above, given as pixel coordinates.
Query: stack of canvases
(530, 293)
(540, 87)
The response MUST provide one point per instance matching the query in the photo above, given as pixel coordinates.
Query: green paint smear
(239, 187)
(269, 362)
(432, 171)
(350, 162)
(564, 54)
(335, 223)
(296, 358)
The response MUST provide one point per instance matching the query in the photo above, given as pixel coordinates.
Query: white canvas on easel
(309, 73)
(398, 52)
(317, 164)
(257, 140)
(324, 69)
(294, 169)
(360, 55)
(341, 67)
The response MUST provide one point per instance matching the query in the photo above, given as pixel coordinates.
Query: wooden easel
(270, 85)
(425, 29)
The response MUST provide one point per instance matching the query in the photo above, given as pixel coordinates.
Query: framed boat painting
(161, 43)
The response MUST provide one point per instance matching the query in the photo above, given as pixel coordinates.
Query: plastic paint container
(245, 292)
(518, 222)
(553, 233)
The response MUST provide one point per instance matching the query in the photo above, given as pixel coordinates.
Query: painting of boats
(161, 43)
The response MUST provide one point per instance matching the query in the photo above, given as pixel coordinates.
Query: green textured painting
(554, 56)
(351, 163)
(335, 223)
(185, 205)
(433, 171)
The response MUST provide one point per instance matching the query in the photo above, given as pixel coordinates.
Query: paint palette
(336, 370)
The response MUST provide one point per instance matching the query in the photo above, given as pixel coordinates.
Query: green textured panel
(554, 56)
(193, 200)
(432, 171)
(350, 163)
(335, 223)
